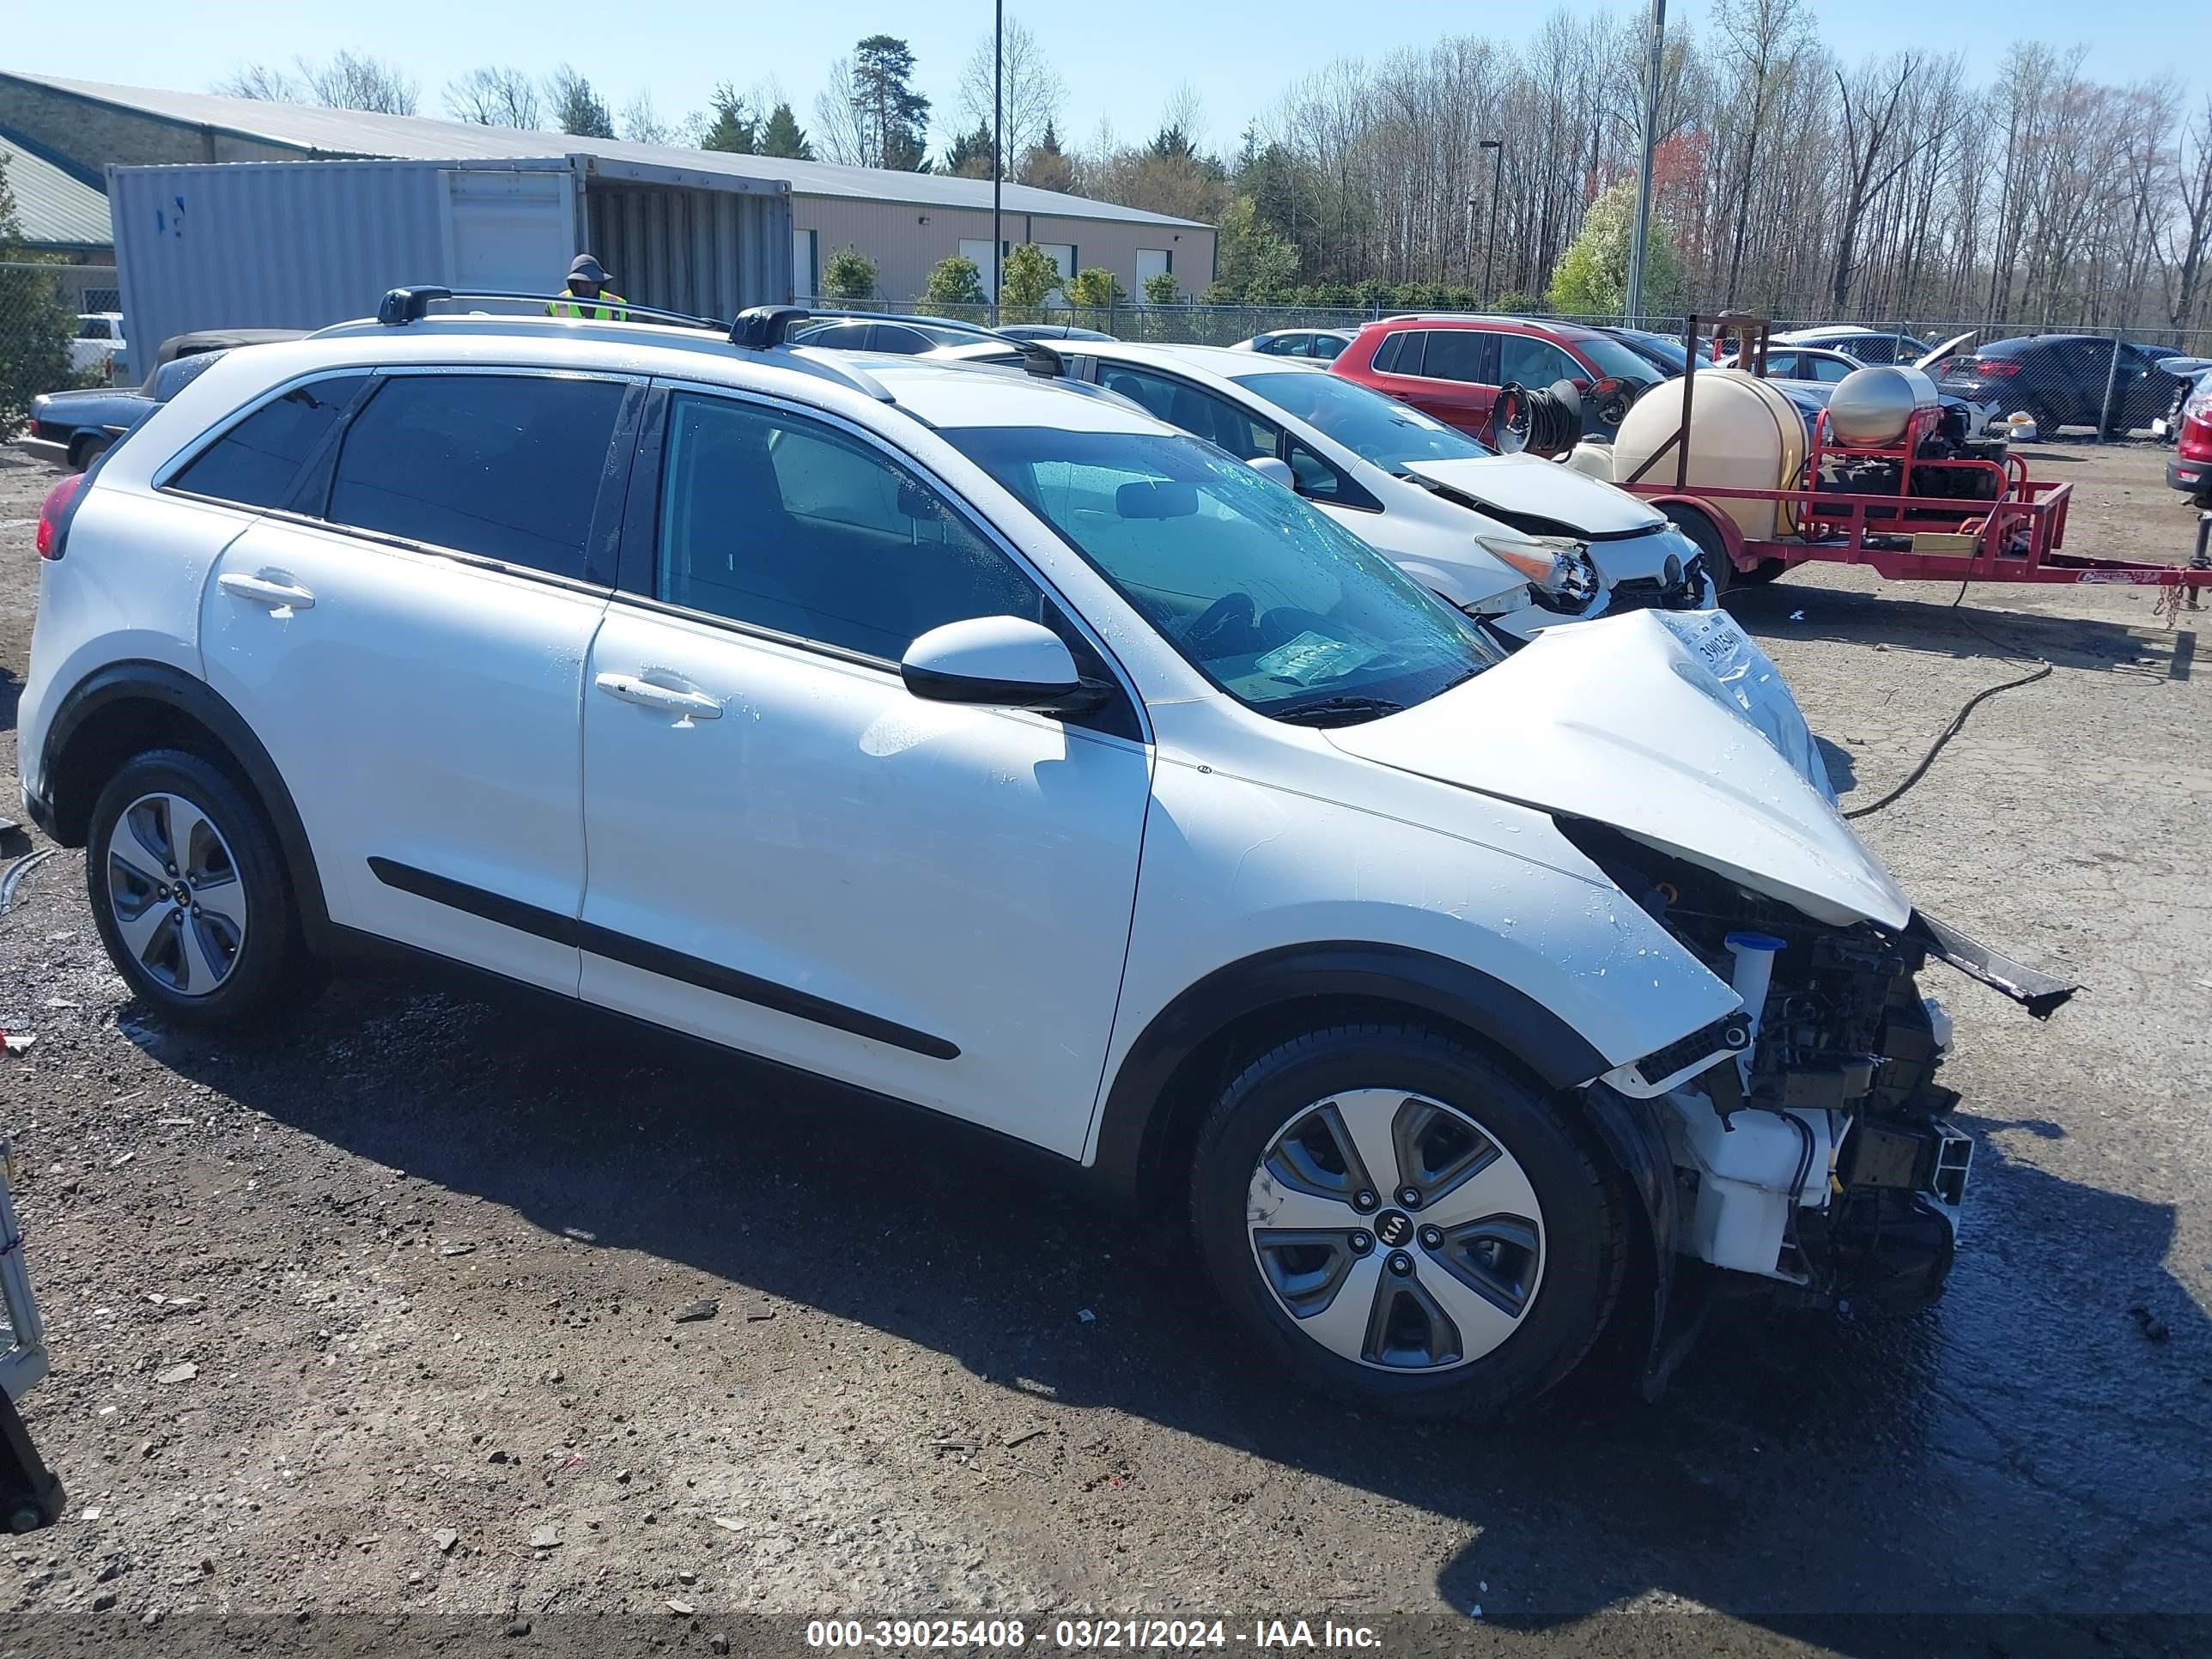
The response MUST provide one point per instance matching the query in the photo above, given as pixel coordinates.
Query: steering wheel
(1230, 608)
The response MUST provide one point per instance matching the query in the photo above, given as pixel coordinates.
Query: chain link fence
(2111, 383)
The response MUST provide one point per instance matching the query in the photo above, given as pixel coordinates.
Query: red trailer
(1972, 518)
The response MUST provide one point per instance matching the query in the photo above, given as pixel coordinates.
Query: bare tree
(495, 97)
(1035, 93)
(841, 127)
(353, 80)
(260, 81)
(641, 123)
(2187, 245)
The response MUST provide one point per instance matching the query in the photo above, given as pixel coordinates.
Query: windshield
(1611, 358)
(1371, 426)
(1270, 600)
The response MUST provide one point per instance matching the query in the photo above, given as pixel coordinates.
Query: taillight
(2199, 406)
(1992, 369)
(54, 515)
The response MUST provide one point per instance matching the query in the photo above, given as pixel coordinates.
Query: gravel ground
(376, 1317)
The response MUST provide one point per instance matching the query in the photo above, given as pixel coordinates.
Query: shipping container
(304, 243)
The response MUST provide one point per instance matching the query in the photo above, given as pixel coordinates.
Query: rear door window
(257, 463)
(1461, 354)
(504, 466)
(1180, 403)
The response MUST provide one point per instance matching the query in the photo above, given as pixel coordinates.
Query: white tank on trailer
(1744, 435)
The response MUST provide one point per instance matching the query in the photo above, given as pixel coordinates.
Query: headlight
(1564, 580)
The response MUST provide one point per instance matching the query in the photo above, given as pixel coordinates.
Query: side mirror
(1002, 662)
(1275, 469)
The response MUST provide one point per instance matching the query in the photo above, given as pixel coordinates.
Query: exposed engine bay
(1809, 1134)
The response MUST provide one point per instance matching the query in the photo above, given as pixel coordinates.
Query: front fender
(1251, 894)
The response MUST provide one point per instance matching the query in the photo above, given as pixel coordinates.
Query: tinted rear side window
(1399, 354)
(504, 466)
(1458, 353)
(257, 463)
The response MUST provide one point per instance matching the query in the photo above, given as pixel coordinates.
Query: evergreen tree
(971, 154)
(894, 115)
(576, 108)
(734, 127)
(783, 136)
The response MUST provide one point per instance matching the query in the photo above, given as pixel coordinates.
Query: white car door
(790, 854)
(407, 635)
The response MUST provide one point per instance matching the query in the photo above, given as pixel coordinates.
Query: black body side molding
(1131, 1127)
(656, 958)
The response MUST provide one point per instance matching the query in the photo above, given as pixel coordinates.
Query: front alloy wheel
(1396, 1230)
(175, 893)
(1406, 1220)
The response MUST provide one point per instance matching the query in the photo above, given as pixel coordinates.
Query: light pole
(998, 143)
(1644, 174)
(1497, 182)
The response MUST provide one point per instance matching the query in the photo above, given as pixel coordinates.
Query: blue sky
(1121, 61)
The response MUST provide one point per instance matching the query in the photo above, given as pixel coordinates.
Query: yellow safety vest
(600, 310)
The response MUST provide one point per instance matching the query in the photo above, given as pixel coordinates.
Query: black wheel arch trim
(1134, 1123)
(164, 684)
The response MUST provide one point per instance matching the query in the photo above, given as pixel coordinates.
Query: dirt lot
(375, 1318)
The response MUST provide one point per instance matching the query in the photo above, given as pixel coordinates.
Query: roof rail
(402, 306)
(765, 328)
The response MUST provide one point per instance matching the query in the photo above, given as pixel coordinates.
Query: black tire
(85, 449)
(1701, 529)
(1584, 1249)
(271, 971)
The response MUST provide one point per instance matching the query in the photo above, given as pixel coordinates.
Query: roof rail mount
(1042, 361)
(763, 328)
(402, 306)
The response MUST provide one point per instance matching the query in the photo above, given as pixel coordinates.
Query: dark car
(2061, 379)
(1450, 367)
(76, 426)
(898, 335)
(1663, 351)
(1050, 331)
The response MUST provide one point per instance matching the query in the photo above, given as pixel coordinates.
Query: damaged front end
(1809, 1135)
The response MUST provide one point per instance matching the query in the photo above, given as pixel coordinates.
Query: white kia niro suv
(982, 742)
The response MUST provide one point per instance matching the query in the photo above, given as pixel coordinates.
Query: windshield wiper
(1339, 710)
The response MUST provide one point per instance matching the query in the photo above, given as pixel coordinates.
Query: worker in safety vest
(588, 281)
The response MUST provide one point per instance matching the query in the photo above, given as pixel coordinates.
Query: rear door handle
(692, 705)
(267, 590)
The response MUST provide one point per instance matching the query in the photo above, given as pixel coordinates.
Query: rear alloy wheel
(1406, 1222)
(174, 892)
(190, 895)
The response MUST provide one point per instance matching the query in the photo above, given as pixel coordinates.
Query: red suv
(1452, 367)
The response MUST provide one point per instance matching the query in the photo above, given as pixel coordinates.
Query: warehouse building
(904, 221)
(61, 215)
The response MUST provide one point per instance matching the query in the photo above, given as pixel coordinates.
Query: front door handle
(268, 589)
(692, 705)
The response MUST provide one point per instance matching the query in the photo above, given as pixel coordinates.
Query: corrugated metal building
(904, 221)
(59, 210)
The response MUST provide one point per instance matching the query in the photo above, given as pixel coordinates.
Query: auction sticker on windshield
(1311, 657)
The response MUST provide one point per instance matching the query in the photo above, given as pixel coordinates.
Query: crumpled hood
(1530, 486)
(1617, 721)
